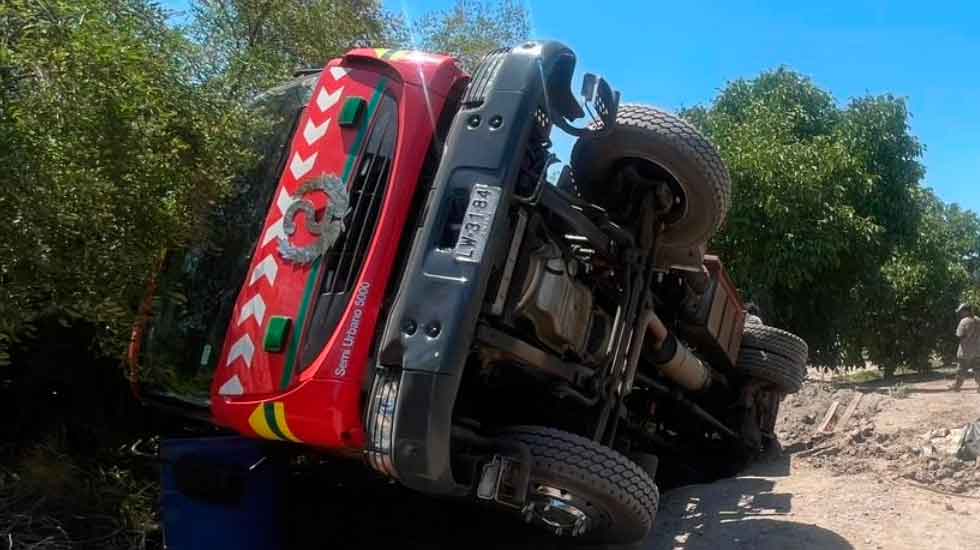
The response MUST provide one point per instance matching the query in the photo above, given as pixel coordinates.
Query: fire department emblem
(327, 229)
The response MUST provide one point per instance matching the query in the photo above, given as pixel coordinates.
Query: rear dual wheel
(775, 362)
(775, 356)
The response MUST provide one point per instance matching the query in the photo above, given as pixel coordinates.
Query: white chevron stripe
(338, 72)
(267, 268)
(232, 387)
(284, 201)
(252, 308)
(273, 233)
(243, 348)
(300, 166)
(325, 101)
(312, 132)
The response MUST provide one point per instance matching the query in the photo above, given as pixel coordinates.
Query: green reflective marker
(275, 335)
(351, 112)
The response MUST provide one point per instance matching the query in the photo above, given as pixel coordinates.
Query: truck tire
(579, 478)
(786, 374)
(673, 146)
(777, 341)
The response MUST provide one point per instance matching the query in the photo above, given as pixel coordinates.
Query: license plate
(475, 228)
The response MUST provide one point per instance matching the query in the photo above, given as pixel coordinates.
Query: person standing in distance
(968, 354)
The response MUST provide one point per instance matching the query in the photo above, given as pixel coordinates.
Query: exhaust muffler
(675, 360)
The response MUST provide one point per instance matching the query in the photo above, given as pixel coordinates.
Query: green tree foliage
(471, 28)
(119, 130)
(911, 304)
(109, 147)
(256, 44)
(830, 229)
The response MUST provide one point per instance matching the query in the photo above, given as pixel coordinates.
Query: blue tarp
(220, 493)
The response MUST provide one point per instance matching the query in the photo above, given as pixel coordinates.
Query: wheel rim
(557, 510)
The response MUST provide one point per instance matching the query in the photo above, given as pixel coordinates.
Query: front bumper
(428, 336)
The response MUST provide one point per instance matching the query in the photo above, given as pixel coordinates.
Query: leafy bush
(118, 130)
(111, 146)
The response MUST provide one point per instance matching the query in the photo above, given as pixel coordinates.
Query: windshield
(197, 287)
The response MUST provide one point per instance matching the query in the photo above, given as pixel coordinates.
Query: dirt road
(855, 497)
(853, 492)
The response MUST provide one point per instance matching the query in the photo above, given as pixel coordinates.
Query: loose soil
(886, 480)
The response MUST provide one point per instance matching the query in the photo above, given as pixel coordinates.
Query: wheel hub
(556, 510)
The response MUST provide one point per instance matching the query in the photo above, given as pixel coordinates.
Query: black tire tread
(684, 136)
(670, 132)
(777, 341)
(784, 373)
(601, 468)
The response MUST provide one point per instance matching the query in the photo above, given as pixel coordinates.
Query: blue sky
(676, 54)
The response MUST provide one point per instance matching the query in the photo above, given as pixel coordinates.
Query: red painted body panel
(322, 405)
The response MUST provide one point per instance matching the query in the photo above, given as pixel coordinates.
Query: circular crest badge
(327, 229)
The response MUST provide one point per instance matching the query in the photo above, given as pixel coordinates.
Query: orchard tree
(910, 315)
(823, 197)
(831, 229)
(965, 230)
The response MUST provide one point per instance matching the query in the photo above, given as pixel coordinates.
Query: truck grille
(342, 264)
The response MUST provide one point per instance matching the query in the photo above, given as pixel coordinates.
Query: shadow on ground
(905, 381)
(345, 512)
(742, 512)
(338, 514)
(776, 463)
(909, 378)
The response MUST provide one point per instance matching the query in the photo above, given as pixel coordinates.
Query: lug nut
(473, 121)
(496, 122)
(409, 327)
(433, 329)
